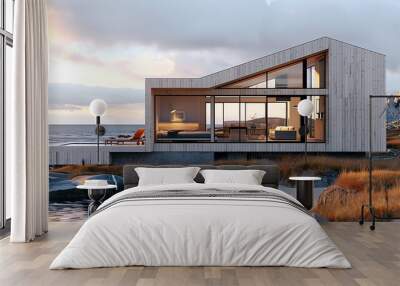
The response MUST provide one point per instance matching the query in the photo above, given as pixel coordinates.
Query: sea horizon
(60, 134)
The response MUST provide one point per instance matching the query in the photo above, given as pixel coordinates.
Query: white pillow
(248, 177)
(166, 176)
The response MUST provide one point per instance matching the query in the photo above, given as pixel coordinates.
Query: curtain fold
(28, 150)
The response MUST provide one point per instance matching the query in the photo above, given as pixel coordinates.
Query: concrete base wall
(161, 158)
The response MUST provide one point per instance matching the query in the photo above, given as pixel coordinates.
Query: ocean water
(68, 211)
(65, 210)
(67, 134)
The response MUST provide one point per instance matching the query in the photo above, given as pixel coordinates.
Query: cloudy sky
(105, 48)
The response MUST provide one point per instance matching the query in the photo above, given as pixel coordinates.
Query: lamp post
(370, 206)
(97, 108)
(305, 108)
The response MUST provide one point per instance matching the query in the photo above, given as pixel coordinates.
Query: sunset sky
(105, 48)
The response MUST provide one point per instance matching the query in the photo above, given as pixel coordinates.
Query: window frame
(266, 141)
(6, 39)
(230, 85)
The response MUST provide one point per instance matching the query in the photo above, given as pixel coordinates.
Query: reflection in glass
(9, 9)
(182, 118)
(208, 113)
(253, 118)
(257, 81)
(283, 119)
(236, 119)
(316, 72)
(286, 77)
(317, 120)
(227, 118)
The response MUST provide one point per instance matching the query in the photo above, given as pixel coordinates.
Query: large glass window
(6, 42)
(240, 118)
(227, 119)
(283, 119)
(208, 113)
(317, 120)
(257, 81)
(236, 119)
(9, 15)
(286, 77)
(182, 118)
(307, 73)
(253, 118)
(316, 72)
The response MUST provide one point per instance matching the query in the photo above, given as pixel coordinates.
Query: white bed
(188, 231)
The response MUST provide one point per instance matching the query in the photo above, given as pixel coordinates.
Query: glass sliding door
(6, 42)
(218, 118)
(208, 114)
(253, 118)
(2, 137)
(316, 71)
(317, 120)
(235, 119)
(227, 119)
(284, 122)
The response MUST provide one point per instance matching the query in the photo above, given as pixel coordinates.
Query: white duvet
(193, 231)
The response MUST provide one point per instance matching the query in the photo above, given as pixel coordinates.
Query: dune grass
(342, 200)
(78, 170)
(393, 142)
(295, 164)
(339, 202)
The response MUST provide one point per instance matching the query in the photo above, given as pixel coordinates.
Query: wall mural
(87, 65)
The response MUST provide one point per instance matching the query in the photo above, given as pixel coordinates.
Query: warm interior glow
(168, 126)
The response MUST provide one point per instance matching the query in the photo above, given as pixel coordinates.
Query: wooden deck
(375, 257)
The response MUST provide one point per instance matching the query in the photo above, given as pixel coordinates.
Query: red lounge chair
(138, 136)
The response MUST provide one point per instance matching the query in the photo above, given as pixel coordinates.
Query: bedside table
(96, 194)
(305, 190)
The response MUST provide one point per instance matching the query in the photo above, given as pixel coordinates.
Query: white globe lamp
(97, 108)
(305, 107)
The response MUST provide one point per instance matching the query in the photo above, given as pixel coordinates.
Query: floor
(375, 257)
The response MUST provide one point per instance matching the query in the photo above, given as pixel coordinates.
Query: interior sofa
(283, 133)
(182, 135)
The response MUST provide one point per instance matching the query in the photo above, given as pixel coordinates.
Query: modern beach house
(252, 107)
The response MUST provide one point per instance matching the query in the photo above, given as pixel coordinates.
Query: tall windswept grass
(359, 180)
(342, 201)
(295, 164)
(76, 170)
(393, 138)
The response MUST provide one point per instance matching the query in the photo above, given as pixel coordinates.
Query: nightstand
(96, 194)
(305, 190)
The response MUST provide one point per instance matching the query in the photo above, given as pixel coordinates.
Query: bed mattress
(201, 225)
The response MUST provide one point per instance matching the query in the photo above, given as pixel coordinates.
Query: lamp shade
(305, 107)
(98, 107)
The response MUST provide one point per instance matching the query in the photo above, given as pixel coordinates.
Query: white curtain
(27, 151)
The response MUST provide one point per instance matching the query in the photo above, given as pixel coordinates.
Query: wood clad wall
(353, 74)
(63, 155)
(264, 63)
